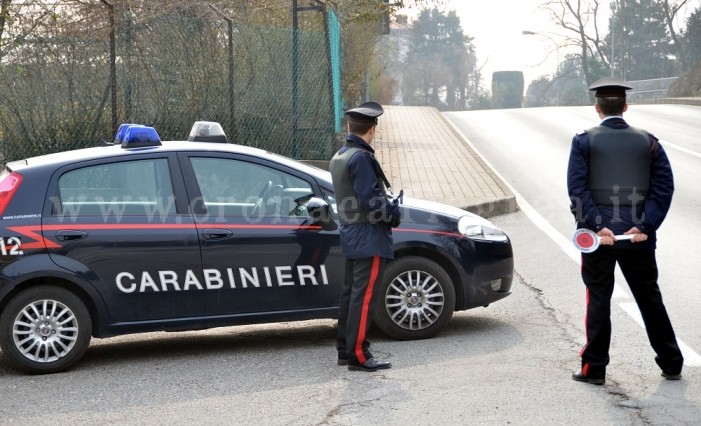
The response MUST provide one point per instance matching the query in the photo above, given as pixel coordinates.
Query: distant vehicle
(145, 236)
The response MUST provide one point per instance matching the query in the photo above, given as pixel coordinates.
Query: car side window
(239, 188)
(140, 187)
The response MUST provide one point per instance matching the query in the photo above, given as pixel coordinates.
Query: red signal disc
(584, 240)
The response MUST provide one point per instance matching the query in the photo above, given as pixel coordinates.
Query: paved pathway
(422, 153)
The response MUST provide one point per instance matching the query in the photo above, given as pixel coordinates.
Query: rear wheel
(416, 298)
(45, 329)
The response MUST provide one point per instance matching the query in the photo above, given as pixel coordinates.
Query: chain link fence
(70, 86)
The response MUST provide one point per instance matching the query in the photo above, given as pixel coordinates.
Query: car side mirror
(320, 212)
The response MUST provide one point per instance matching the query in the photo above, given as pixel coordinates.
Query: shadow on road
(466, 333)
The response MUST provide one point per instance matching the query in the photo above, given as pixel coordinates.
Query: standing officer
(366, 235)
(620, 182)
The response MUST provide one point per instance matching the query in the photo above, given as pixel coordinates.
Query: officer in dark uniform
(366, 215)
(620, 182)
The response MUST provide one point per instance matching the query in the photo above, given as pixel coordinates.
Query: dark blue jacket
(367, 239)
(619, 220)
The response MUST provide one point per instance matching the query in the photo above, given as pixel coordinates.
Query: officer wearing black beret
(365, 232)
(620, 182)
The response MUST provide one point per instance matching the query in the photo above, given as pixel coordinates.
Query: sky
(497, 29)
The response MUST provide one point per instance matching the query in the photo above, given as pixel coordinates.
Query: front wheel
(45, 329)
(416, 298)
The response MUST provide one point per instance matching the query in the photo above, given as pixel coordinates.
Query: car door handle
(71, 235)
(216, 234)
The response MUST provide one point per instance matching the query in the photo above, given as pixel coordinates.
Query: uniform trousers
(360, 286)
(639, 268)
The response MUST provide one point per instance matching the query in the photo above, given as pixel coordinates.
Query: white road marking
(680, 148)
(691, 357)
(565, 245)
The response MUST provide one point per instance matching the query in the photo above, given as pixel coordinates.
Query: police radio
(399, 199)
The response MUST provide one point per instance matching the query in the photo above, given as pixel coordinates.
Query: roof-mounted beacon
(207, 131)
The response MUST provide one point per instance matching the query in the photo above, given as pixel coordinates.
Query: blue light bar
(119, 137)
(140, 137)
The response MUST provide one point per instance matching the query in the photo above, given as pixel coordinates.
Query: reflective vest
(619, 166)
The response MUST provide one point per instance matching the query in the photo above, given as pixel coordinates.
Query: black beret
(610, 87)
(365, 113)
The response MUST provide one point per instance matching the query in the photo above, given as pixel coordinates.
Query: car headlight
(477, 228)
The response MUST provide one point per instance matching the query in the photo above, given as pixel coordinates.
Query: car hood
(435, 207)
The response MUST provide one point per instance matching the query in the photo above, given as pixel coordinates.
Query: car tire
(44, 329)
(416, 299)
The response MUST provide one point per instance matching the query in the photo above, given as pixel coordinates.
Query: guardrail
(646, 90)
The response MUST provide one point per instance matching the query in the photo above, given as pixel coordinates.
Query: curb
(493, 208)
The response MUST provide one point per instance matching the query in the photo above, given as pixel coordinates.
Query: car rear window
(140, 187)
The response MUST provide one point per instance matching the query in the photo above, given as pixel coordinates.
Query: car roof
(59, 159)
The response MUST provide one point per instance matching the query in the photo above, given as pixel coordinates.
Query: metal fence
(270, 87)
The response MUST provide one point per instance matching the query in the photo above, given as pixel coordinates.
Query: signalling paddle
(586, 240)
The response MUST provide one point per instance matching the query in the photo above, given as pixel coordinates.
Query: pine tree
(692, 37)
(642, 46)
(440, 62)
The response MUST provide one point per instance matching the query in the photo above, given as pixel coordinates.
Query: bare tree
(580, 19)
(168, 63)
(19, 19)
(4, 15)
(671, 10)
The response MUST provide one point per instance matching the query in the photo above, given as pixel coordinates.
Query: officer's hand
(606, 237)
(638, 237)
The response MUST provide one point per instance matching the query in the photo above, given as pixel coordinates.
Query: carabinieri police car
(145, 236)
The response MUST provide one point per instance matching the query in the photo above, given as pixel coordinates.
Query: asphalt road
(506, 364)
(531, 154)
(509, 363)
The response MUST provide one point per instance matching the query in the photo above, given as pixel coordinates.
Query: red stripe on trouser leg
(586, 319)
(366, 307)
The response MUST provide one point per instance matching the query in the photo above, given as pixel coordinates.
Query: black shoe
(580, 377)
(342, 361)
(670, 376)
(671, 368)
(370, 365)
